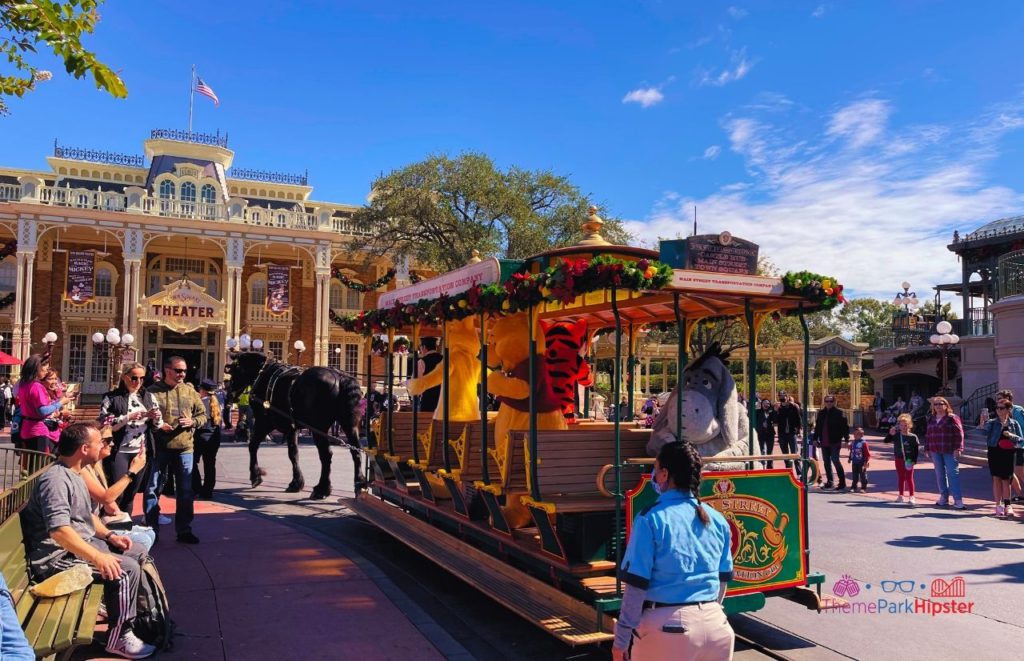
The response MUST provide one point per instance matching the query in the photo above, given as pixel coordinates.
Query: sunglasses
(179, 371)
(1002, 407)
(135, 379)
(107, 442)
(830, 401)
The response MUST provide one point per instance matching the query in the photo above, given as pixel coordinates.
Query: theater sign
(183, 307)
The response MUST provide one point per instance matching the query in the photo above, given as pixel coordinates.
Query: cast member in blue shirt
(676, 569)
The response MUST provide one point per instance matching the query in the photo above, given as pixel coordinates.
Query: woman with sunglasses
(1004, 437)
(129, 409)
(944, 442)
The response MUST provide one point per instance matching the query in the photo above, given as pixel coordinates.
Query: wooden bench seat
(402, 437)
(52, 626)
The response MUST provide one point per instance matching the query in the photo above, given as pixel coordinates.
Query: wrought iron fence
(98, 156)
(215, 140)
(269, 177)
(970, 409)
(19, 472)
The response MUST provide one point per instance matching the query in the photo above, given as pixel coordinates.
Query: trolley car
(537, 517)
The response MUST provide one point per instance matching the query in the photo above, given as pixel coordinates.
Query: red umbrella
(8, 359)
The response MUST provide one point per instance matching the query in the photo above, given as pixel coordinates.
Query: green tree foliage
(945, 312)
(25, 24)
(439, 210)
(867, 320)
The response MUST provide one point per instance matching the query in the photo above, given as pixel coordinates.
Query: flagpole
(191, 95)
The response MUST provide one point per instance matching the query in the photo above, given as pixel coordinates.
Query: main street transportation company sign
(484, 272)
(183, 307)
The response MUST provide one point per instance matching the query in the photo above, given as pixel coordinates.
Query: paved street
(864, 536)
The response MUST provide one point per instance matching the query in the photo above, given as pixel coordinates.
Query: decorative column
(854, 395)
(235, 260)
(322, 333)
(132, 252)
(28, 234)
(775, 386)
(824, 381)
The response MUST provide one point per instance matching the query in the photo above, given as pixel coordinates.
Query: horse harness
(277, 371)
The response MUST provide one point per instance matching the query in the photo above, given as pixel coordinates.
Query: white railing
(84, 198)
(259, 314)
(99, 306)
(10, 192)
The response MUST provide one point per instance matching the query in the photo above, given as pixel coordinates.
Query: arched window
(104, 282)
(165, 270)
(8, 275)
(208, 194)
(167, 189)
(337, 295)
(353, 300)
(188, 192)
(258, 291)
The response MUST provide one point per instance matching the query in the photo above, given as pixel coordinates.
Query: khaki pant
(660, 636)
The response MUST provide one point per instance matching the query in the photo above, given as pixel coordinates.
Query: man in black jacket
(831, 430)
(789, 425)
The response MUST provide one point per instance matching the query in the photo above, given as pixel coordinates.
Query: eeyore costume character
(713, 419)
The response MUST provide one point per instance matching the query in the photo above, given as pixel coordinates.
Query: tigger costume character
(508, 352)
(566, 344)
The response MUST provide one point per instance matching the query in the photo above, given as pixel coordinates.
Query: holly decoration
(818, 289)
(401, 345)
(360, 287)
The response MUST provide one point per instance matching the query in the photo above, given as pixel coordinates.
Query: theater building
(179, 248)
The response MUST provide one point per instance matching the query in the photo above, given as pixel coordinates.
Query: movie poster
(278, 288)
(80, 283)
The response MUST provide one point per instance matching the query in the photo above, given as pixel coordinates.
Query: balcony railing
(99, 306)
(259, 314)
(98, 156)
(136, 203)
(1011, 274)
(270, 177)
(189, 136)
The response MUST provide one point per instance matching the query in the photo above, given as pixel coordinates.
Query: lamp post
(944, 339)
(906, 298)
(300, 346)
(49, 340)
(119, 348)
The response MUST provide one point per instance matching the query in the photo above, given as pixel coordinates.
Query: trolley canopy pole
(534, 486)
(620, 538)
(483, 402)
(369, 388)
(390, 372)
(680, 363)
(748, 315)
(415, 399)
(631, 367)
(447, 405)
(807, 446)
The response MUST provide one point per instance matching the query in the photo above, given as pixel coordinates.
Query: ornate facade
(177, 211)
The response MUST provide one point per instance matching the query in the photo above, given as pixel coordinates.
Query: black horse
(287, 398)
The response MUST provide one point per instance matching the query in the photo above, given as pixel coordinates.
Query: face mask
(659, 487)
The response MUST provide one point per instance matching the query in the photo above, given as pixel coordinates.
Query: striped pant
(120, 595)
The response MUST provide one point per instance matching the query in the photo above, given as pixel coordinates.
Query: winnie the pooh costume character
(464, 367)
(508, 351)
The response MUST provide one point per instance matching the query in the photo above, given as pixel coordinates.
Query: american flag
(206, 90)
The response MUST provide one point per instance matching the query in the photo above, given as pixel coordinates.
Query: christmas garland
(7, 301)
(561, 283)
(360, 287)
(923, 354)
(821, 290)
(414, 277)
(9, 249)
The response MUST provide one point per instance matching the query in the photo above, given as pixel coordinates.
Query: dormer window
(167, 189)
(208, 194)
(188, 192)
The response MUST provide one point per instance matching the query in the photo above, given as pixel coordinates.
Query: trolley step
(560, 615)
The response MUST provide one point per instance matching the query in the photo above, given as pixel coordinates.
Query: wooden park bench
(53, 626)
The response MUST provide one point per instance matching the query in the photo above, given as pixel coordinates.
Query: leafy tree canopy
(945, 312)
(439, 210)
(867, 320)
(25, 24)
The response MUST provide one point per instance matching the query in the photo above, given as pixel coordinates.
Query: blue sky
(849, 138)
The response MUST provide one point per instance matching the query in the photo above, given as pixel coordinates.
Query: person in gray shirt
(61, 530)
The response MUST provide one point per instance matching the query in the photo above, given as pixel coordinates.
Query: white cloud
(741, 66)
(712, 152)
(737, 13)
(861, 123)
(871, 217)
(645, 96)
(819, 11)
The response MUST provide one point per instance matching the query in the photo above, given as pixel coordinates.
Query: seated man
(61, 530)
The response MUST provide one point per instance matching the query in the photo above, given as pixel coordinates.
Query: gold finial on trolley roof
(592, 230)
(475, 258)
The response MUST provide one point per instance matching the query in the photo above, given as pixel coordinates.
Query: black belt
(661, 604)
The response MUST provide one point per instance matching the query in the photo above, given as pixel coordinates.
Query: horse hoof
(295, 487)
(319, 493)
(256, 481)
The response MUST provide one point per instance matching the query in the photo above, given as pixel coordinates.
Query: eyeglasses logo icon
(905, 587)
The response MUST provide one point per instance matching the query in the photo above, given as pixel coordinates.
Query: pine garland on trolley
(360, 287)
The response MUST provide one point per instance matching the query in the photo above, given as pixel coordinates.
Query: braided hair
(683, 463)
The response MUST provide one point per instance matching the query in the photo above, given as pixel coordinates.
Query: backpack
(153, 622)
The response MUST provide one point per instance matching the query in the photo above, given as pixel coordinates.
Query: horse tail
(348, 397)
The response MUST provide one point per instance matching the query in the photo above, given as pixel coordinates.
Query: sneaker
(841, 488)
(827, 485)
(912, 501)
(958, 504)
(999, 510)
(164, 520)
(130, 647)
(187, 538)
(856, 490)
(1009, 511)
(899, 499)
(942, 502)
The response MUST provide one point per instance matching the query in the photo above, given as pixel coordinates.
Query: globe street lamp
(300, 346)
(906, 298)
(119, 349)
(944, 339)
